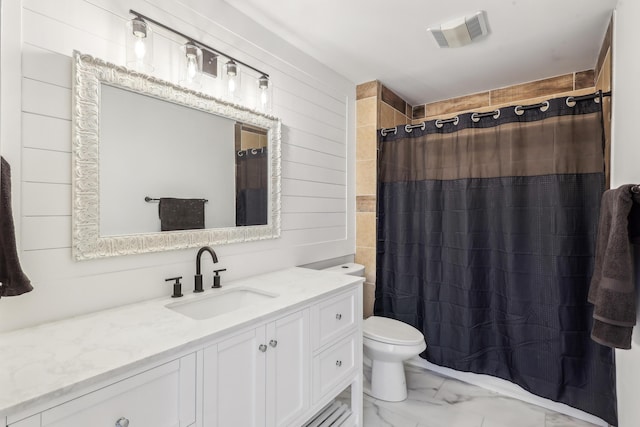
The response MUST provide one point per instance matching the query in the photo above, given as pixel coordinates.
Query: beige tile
(367, 257)
(456, 105)
(366, 229)
(365, 177)
(366, 90)
(369, 297)
(606, 46)
(391, 98)
(419, 112)
(399, 119)
(538, 88)
(604, 74)
(387, 116)
(366, 112)
(366, 143)
(366, 203)
(584, 79)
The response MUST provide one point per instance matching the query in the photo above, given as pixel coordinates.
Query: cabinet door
(234, 381)
(288, 368)
(161, 397)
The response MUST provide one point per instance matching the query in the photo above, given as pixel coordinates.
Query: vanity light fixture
(232, 76)
(198, 59)
(191, 66)
(139, 43)
(264, 95)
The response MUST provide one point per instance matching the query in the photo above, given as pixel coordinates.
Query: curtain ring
(240, 153)
(571, 101)
(407, 129)
(385, 131)
(475, 118)
(254, 151)
(545, 107)
(518, 110)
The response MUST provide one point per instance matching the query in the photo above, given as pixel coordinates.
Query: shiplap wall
(316, 106)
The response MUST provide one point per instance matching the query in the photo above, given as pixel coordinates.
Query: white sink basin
(220, 302)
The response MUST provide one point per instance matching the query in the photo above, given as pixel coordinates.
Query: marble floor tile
(437, 401)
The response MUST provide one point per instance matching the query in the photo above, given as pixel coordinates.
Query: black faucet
(198, 276)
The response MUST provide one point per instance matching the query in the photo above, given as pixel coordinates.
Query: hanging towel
(13, 281)
(612, 289)
(181, 214)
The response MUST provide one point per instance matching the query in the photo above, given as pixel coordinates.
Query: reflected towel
(612, 289)
(181, 214)
(13, 281)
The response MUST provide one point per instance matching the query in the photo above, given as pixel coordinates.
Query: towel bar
(151, 199)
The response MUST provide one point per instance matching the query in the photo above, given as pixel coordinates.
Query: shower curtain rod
(519, 109)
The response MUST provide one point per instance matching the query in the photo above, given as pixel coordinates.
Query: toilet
(387, 343)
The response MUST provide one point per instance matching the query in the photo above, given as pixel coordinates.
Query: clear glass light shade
(139, 44)
(190, 65)
(233, 90)
(264, 94)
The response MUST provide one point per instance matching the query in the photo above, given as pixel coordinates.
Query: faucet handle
(177, 286)
(216, 278)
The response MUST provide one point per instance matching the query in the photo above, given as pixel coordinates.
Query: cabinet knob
(122, 422)
(273, 343)
(338, 316)
(338, 363)
(262, 348)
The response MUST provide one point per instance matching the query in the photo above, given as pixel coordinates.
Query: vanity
(272, 361)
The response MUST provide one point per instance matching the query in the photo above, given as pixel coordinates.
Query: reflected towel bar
(151, 199)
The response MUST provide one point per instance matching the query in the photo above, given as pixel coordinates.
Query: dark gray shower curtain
(252, 186)
(486, 241)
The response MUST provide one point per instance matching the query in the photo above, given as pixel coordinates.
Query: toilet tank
(350, 268)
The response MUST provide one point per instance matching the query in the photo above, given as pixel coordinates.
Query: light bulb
(232, 85)
(192, 67)
(264, 98)
(140, 49)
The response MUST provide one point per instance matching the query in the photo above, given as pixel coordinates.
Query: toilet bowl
(388, 343)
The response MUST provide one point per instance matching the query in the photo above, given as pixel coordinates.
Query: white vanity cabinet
(164, 396)
(259, 377)
(277, 364)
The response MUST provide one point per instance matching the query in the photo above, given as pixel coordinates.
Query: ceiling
(386, 40)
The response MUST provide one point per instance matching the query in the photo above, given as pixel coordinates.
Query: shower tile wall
(379, 107)
(376, 107)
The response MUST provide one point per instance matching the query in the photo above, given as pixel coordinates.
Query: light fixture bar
(191, 39)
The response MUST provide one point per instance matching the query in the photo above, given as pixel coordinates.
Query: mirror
(159, 167)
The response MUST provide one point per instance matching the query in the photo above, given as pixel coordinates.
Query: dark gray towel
(181, 214)
(612, 289)
(13, 281)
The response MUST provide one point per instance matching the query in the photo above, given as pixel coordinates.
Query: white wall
(625, 158)
(315, 104)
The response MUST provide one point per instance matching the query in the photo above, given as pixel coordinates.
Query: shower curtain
(251, 186)
(485, 243)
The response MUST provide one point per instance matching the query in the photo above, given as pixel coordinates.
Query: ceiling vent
(461, 31)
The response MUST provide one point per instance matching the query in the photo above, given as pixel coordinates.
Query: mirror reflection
(168, 167)
(149, 155)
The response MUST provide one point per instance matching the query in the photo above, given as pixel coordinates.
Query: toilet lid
(391, 331)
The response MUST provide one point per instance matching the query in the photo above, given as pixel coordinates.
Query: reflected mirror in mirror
(167, 167)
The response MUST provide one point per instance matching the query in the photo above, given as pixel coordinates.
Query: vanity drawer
(332, 318)
(332, 366)
(161, 397)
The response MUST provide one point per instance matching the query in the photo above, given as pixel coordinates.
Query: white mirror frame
(88, 75)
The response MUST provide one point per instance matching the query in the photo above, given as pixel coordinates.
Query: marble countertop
(44, 362)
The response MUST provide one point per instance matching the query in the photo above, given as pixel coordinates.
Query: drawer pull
(273, 343)
(338, 363)
(262, 348)
(122, 422)
(339, 316)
